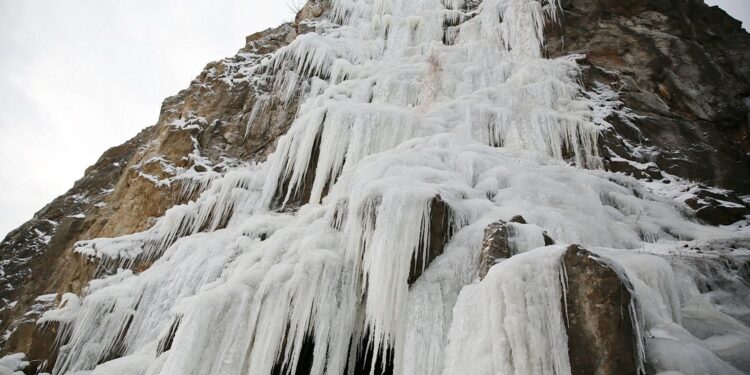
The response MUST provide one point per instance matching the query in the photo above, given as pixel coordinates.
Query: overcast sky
(80, 76)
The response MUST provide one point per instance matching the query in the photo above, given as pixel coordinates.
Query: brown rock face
(439, 233)
(311, 10)
(494, 247)
(39, 344)
(498, 245)
(599, 326)
(34, 256)
(596, 305)
(682, 68)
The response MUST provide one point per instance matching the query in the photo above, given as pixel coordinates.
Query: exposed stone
(39, 344)
(597, 310)
(518, 219)
(681, 68)
(548, 241)
(650, 172)
(439, 233)
(494, 247)
(311, 10)
(722, 215)
(499, 242)
(718, 207)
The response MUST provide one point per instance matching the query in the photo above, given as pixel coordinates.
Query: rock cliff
(665, 86)
(682, 70)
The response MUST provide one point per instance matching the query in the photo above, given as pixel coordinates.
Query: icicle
(386, 250)
(213, 210)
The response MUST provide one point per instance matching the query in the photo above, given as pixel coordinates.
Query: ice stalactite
(308, 263)
(125, 312)
(493, 72)
(237, 191)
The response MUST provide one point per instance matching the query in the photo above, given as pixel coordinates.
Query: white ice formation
(404, 101)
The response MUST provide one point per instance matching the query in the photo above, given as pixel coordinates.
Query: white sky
(78, 77)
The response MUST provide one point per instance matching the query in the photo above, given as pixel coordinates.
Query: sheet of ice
(66, 312)
(524, 237)
(512, 322)
(684, 332)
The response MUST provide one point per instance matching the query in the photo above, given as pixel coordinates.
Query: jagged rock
(132, 184)
(311, 10)
(498, 242)
(681, 68)
(548, 241)
(647, 172)
(439, 232)
(721, 215)
(518, 219)
(718, 207)
(38, 342)
(494, 247)
(598, 321)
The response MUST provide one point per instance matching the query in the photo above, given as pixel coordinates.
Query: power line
(80, 62)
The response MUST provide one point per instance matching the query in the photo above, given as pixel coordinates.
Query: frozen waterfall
(305, 264)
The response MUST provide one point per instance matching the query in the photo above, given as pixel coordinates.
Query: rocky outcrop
(680, 69)
(597, 307)
(439, 231)
(34, 255)
(39, 343)
(717, 207)
(494, 247)
(500, 241)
